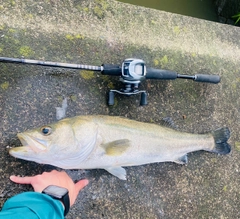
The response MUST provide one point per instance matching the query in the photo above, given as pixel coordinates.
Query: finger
(81, 184)
(21, 180)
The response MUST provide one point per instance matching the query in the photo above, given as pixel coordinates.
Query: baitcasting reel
(132, 73)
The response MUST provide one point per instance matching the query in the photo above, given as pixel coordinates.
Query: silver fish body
(107, 142)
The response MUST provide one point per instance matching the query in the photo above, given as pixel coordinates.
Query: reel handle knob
(143, 100)
(111, 98)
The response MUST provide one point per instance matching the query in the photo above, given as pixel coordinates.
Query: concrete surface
(105, 31)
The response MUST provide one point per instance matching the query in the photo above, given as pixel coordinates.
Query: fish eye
(46, 130)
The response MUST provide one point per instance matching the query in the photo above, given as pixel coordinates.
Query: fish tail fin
(221, 137)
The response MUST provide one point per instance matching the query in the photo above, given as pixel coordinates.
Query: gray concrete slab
(105, 31)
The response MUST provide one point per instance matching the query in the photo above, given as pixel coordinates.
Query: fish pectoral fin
(182, 160)
(118, 172)
(117, 147)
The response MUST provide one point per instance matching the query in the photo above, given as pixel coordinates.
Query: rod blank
(50, 64)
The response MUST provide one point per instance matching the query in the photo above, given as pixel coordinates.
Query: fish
(112, 142)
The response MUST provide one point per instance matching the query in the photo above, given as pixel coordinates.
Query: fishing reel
(132, 74)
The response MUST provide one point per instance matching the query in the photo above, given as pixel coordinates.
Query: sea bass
(108, 142)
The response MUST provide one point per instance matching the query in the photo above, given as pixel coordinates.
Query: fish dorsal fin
(168, 122)
(118, 172)
(182, 160)
(115, 148)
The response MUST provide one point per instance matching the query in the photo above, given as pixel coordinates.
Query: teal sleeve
(32, 205)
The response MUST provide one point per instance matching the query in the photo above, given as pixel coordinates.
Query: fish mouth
(31, 145)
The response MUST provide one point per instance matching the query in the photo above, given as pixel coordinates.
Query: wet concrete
(96, 32)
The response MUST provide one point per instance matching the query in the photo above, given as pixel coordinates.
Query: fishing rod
(132, 72)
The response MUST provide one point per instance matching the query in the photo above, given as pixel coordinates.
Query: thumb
(81, 184)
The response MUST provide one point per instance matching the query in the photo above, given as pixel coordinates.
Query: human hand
(41, 181)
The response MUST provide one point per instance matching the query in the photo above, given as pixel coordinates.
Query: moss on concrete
(5, 85)
(87, 75)
(25, 51)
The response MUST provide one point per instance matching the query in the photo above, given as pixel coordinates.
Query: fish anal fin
(182, 160)
(117, 147)
(118, 172)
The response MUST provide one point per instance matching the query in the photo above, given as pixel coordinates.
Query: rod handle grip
(160, 74)
(114, 70)
(207, 78)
